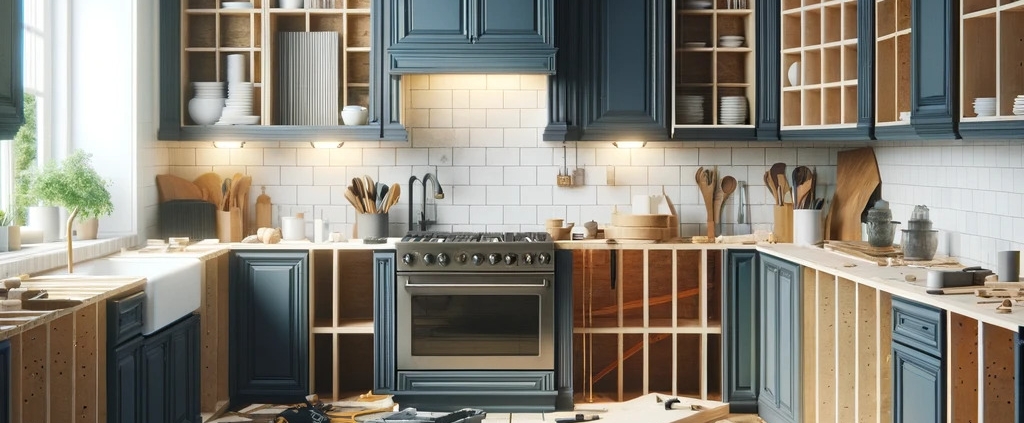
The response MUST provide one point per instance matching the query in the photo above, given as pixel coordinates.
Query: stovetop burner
(476, 237)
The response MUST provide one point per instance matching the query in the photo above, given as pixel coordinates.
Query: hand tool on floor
(579, 417)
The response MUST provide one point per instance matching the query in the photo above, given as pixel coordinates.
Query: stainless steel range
(475, 322)
(481, 301)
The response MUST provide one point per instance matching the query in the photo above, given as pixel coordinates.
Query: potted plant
(10, 234)
(74, 185)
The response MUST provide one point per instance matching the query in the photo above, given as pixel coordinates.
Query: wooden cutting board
(857, 183)
(170, 187)
(210, 184)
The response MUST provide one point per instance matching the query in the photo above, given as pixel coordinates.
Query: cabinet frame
(12, 113)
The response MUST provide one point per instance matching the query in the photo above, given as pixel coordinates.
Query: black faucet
(438, 194)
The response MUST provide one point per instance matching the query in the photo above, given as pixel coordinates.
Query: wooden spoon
(771, 187)
(777, 171)
(354, 199)
(707, 190)
(393, 196)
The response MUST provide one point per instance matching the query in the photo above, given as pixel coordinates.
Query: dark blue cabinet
(779, 399)
(740, 331)
(12, 115)
(918, 346)
(124, 383)
(170, 374)
(612, 77)
(269, 320)
(384, 325)
(5, 381)
(471, 36)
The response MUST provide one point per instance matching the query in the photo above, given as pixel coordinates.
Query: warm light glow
(629, 144)
(229, 144)
(326, 144)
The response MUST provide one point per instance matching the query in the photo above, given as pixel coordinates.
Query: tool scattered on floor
(579, 417)
(1005, 307)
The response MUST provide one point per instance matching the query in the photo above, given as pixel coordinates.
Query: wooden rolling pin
(263, 207)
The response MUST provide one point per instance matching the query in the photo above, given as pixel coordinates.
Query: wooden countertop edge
(127, 285)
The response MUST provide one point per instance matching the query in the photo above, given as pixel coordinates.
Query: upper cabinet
(612, 74)
(284, 74)
(12, 115)
(991, 77)
(722, 83)
(826, 79)
(471, 36)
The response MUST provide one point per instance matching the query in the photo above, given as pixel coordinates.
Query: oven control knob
(428, 259)
(494, 258)
(528, 258)
(543, 258)
(461, 258)
(478, 259)
(408, 258)
(510, 259)
(442, 259)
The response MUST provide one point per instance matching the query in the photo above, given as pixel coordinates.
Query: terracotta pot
(86, 229)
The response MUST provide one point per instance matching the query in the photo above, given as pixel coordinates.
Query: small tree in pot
(74, 185)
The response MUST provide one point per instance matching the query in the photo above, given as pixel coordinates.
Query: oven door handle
(544, 283)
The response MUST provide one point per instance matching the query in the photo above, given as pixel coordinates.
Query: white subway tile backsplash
(539, 156)
(280, 157)
(440, 137)
(533, 82)
(663, 175)
(457, 81)
(486, 99)
(430, 99)
(184, 156)
(469, 195)
(486, 215)
(521, 137)
(714, 155)
(503, 157)
(470, 156)
(440, 118)
(524, 176)
(204, 156)
(379, 157)
(536, 195)
(520, 99)
(486, 175)
(631, 175)
(460, 99)
(681, 156)
(312, 157)
(316, 194)
(486, 137)
(410, 156)
(651, 156)
(267, 175)
(469, 118)
(503, 118)
(751, 156)
(502, 195)
(504, 82)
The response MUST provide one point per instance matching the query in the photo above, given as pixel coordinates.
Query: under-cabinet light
(229, 144)
(629, 144)
(326, 144)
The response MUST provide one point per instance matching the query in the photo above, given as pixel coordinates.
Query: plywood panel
(16, 372)
(87, 355)
(826, 309)
(34, 374)
(963, 368)
(999, 373)
(355, 288)
(659, 285)
(846, 351)
(884, 386)
(62, 360)
(810, 340)
(867, 349)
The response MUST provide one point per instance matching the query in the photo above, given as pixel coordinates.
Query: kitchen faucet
(438, 194)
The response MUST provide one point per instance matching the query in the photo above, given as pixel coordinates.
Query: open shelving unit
(819, 41)
(341, 316)
(892, 62)
(658, 330)
(210, 33)
(991, 56)
(703, 67)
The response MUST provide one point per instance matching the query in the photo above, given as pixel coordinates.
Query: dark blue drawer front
(124, 317)
(918, 325)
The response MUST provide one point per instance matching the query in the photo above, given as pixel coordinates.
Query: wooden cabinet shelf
(992, 50)
(892, 62)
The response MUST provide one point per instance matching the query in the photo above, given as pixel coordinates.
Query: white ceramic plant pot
(10, 238)
(46, 219)
(86, 229)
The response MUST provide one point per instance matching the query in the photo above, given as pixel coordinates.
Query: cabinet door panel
(740, 331)
(918, 387)
(156, 378)
(779, 399)
(124, 381)
(510, 21)
(433, 21)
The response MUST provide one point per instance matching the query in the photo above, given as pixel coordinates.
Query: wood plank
(884, 386)
(847, 364)
(62, 362)
(210, 336)
(826, 328)
(963, 368)
(223, 266)
(999, 373)
(35, 362)
(16, 372)
(650, 408)
(867, 359)
(810, 344)
(101, 366)
(87, 355)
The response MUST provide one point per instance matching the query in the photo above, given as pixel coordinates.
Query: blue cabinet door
(780, 389)
(12, 115)
(740, 331)
(170, 374)
(918, 387)
(471, 36)
(384, 326)
(124, 383)
(269, 336)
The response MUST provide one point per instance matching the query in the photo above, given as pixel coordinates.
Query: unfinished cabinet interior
(647, 320)
(991, 60)
(847, 334)
(820, 62)
(341, 314)
(983, 362)
(708, 69)
(892, 62)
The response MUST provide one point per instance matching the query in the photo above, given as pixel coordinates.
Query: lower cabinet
(5, 381)
(918, 345)
(269, 320)
(779, 399)
(740, 331)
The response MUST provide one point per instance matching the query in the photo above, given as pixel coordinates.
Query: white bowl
(354, 115)
(289, 4)
(205, 111)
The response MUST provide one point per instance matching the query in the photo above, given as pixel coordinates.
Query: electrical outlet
(578, 177)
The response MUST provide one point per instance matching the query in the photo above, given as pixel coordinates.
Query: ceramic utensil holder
(1008, 266)
(371, 225)
(783, 227)
(807, 227)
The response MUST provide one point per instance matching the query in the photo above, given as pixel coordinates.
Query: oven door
(463, 321)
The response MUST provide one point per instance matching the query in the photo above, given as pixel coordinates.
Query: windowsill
(33, 258)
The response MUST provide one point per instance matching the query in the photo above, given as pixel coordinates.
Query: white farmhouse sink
(172, 284)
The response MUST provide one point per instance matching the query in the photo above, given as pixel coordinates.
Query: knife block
(783, 227)
(229, 225)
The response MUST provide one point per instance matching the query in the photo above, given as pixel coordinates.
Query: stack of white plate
(1018, 105)
(985, 106)
(730, 41)
(208, 89)
(691, 108)
(733, 110)
(238, 107)
(236, 5)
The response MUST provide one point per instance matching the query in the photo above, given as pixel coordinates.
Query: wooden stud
(999, 371)
(962, 366)
(847, 350)
(826, 358)
(62, 364)
(34, 375)
(16, 378)
(884, 385)
(868, 366)
(87, 355)
(810, 343)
